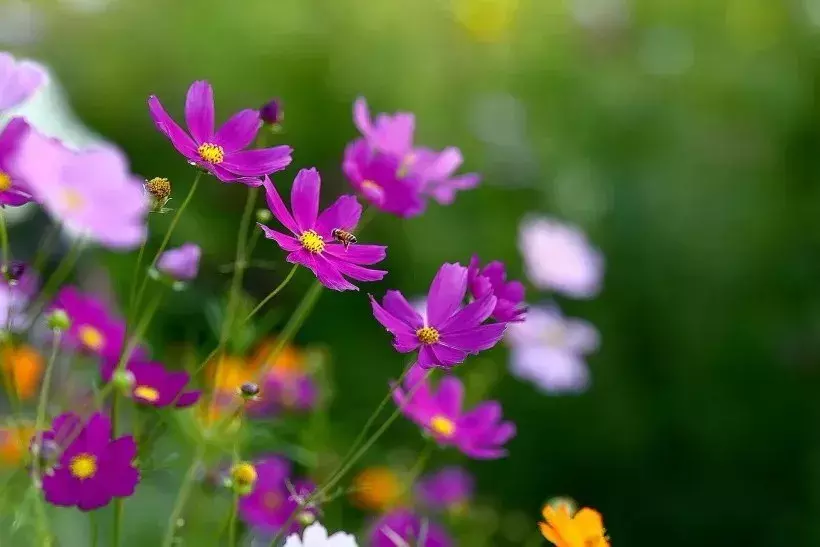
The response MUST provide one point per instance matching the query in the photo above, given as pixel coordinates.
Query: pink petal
(393, 324)
(446, 293)
(286, 242)
(344, 214)
(304, 198)
(427, 359)
(199, 111)
(471, 315)
(476, 339)
(239, 131)
(324, 271)
(445, 163)
(259, 162)
(405, 343)
(450, 395)
(170, 129)
(357, 254)
(447, 356)
(356, 272)
(398, 306)
(361, 116)
(277, 206)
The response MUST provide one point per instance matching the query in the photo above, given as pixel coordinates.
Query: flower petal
(476, 339)
(393, 324)
(286, 242)
(277, 206)
(188, 398)
(259, 162)
(405, 343)
(398, 306)
(344, 213)
(447, 356)
(199, 111)
(427, 359)
(168, 127)
(446, 293)
(364, 255)
(59, 489)
(450, 395)
(359, 273)
(471, 315)
(322, 269)
(304, 198)
(361, 116)
(239, 131)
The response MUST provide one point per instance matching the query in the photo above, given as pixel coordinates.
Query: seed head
(160, 191)
(243, 477)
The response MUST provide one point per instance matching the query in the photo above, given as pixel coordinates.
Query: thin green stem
(182, 497)
(274, 292)
(92, 523)
(232, 521)
(132, 297)
(60, 274)
(418, 467)
(4, 237)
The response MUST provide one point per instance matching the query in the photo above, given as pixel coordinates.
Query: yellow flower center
(442, 425)
(91, 337)
(427, 335)
(159, 187)
(83, 466)
(212, 153)
(72, 200)
(312, 242)
(5, 181)
(244, 473)
(271, 501)
(146, 393)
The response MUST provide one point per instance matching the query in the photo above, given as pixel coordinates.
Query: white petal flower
(315, 535)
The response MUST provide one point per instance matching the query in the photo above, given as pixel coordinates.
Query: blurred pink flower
(19, 80)
(558, 256)
(548, 350)
(91, 193)
(181, 263)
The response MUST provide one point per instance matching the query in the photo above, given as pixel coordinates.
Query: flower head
(315, 535)
(450, 488)
(403, 527)
(14, 190)
(92, 468)
(23, 367)
(160, 191)
(271, 502)
(19, 80)
(14, 441)
(479, 433)
(377, 489)
(221, 152)
(448, 332)
(153, 385)
(388, 134)
(312, 244)
(182, 263)
(91, 193)
(559, 257)
(549, 350)
(492, 279)
(584, 529)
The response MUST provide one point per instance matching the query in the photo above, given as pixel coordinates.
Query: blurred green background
(682, 135)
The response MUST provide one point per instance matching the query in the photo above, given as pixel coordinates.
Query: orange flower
(584, 529)
(290, 362)
(14, 441)
(228, 373)
(23, 367)
(377, 489)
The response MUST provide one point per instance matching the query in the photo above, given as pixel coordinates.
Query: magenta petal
(446, 293)
(199, 111)
(286, 242)
(364, 255)
(361, 116)
(450, 395)
(447, 356)
(239, 131)
(504, 433)
(398, 306)
(59, 489)
(445, 163)
(476, 339)
(259, 162)
(344, 214)
(330, 276)
(427, 359)
(304, 198)
(277, 206)
(405, 343)
(356, 272)
(93, 494)
(168, 127)
(471, 315)
(187, 399)
(393, 324)
(484, 453)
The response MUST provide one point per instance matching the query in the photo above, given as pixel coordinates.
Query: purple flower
(450, 488)
(19, 80)
(182, 263)
(13, 190)
(391, 135)
(311, 244)
(479, 433)
(91, 193)
(221, 153)
(94, 328)
(448, 332)
(402, 527)
(548, 350)
(375, 176)
(271, 112)
(492, 279)
(289, 391)
(92, 468)
(153, 385)
(15, 297)
(559, 257)
(436, 170)
(270, 504)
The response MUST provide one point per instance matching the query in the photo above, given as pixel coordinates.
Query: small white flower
(315, 535)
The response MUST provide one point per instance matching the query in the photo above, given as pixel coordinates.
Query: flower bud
(263, 216)
(249, 391)
(58, 320)
(306, 518)
(123, 380)
(159, 189)
(243, 478)
(272, 113)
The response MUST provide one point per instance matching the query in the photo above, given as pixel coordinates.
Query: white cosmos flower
(315, 535)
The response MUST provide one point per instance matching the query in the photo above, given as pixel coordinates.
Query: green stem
(182, 497)
(60, 273)
(274, 292)
(232, 521)
(4, 237)
(92, 523)
(133, 294)
(421, 462)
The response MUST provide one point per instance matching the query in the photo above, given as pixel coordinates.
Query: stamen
(83, 466)
(5, 181)
(91, 338)
(442, 425)
(211, 153)
(312, 242)
(427, 335)
(146, 393)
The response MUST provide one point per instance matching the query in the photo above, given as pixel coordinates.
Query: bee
(343, 237)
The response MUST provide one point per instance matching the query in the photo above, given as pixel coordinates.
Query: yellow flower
(22, 366)
(377, 489)
(488, 21)
(584, 529)
(14, 441)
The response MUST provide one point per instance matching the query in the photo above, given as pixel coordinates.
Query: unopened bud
(123, 380)
(249, 391)
(243, 478)
(272, 113)
(306, 518)
(263, 216)
(58, 320)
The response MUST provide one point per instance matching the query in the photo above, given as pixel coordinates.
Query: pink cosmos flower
(311, 244)
(222, 153)
(436, 170)
(559, 257)
(492, 279)
(182, 263)
(91, 193)
(388, 134)
(448, 332)
(19, 80)
(13, 189)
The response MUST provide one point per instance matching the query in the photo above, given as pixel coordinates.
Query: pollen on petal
(146, 393)
(90, 337)
(5, 181)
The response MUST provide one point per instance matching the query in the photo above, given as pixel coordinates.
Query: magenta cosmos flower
(19, 80)
(182, 263)
(403, 527)
(13, 189)
(312, 244)
(269, 506)
(559, 257)
(449, 489)
(92, 468)
(492, 279)
(153, 385)
(479, 433)
(448, 332)
(388, 134)
(91, 193)
(222, 153)
(94, 327)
